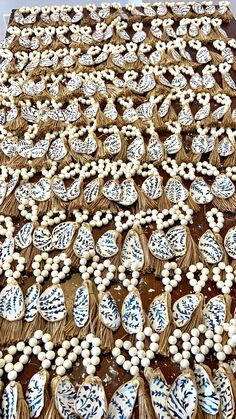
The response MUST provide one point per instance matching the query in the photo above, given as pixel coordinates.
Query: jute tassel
(144, 244)
(214, 157)
(44, 207)
(57, 330)
(79, 202)
(192, 204)
(225, 205)
(11, 332)
(145, 407)
(144, 202)
(192, 254)
(201, 414)
(196, 316)
(17, 125)
(46, 396)
(10, 206)
(230, 161)
(122, 155)
(22, 407)
(216, 58)
(163, 202)
(157, 120)
(182, 156)
(165, 334)
(227, 119)
(19, 162)
(38, 323)
(70, 251)
(52, 412)
(101, 152)
(90, 326)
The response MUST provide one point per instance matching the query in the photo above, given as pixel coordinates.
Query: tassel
(38, 323)
(145, 407)
(214, 157)
(164, 336)
(11, 332)
(10, 206)
(163, 202)
(230, 161)
(122, 155)
(22, 407)
(144, 202)
(57, 330)
(182, 156)
(95, 205)
(144, 243)
(192, 254)
(44, 207)
(52, 412)
(216, 58)
(196, 317)
(192, 204)
(18, 162)
(70, 251)
(225, 205)
(78, 202)
(101, 152)
(106, 336)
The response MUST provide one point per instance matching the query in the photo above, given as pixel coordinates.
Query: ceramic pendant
(57, 150)
(106, 245)
(230, 242)
(42, 239)
(58, 187)
(112, 190)
(209, 248)
(90, 402)
(184, 308)
(108, 311)
(200, 192)
(123, 400)
(31, 302)
(158, 312)
(196, 82)
(175, 190)
(215, 312)
(203, 56)
(154, 149)
(182, 397)
(159, 390)
(136, 149)
(208, 397)
(84, 240)
(65, 396)
(164, 109)
(219, 112)
(172, 144)
(23, 238)
(177, 237)
(152, 186)
(3, 190)
(132, 313)
(40, 149)
(9, 401)
(35, 393)
(223, 187)
(185, 117)
(12, 306)
(223, 386)
(128, 193)
(91, 191)
(62, 235)
(132, 250)
(225, 147)
(159, 246)
(112, 144)
(203, 112)
(74, 190)
(110, 111)
(23, 192)
(51, 304)
(81, 305)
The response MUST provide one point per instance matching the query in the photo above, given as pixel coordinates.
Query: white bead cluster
(215, 226)
(191, 346)
(96, 269)
(10, 272)
(88, 349)
(220, 271)
(138, 355)
(134, 268)
(101, 218)
(168, 283)
(53, 217)
(57, 267)
(197, 284)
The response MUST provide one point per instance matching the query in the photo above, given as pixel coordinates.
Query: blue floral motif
(109, 312)
(182, 399)
(65, 399)
(158, 314)
(214, 312)
(35, 393)
(159, 390)
(52, 304)
(224, 388)
(9, 401)
(90, 401)
(208, 398)
(81, 306)
(132, 313)
(183, 309)
(123, 401)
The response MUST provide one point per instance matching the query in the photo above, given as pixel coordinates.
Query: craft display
(117, 212)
